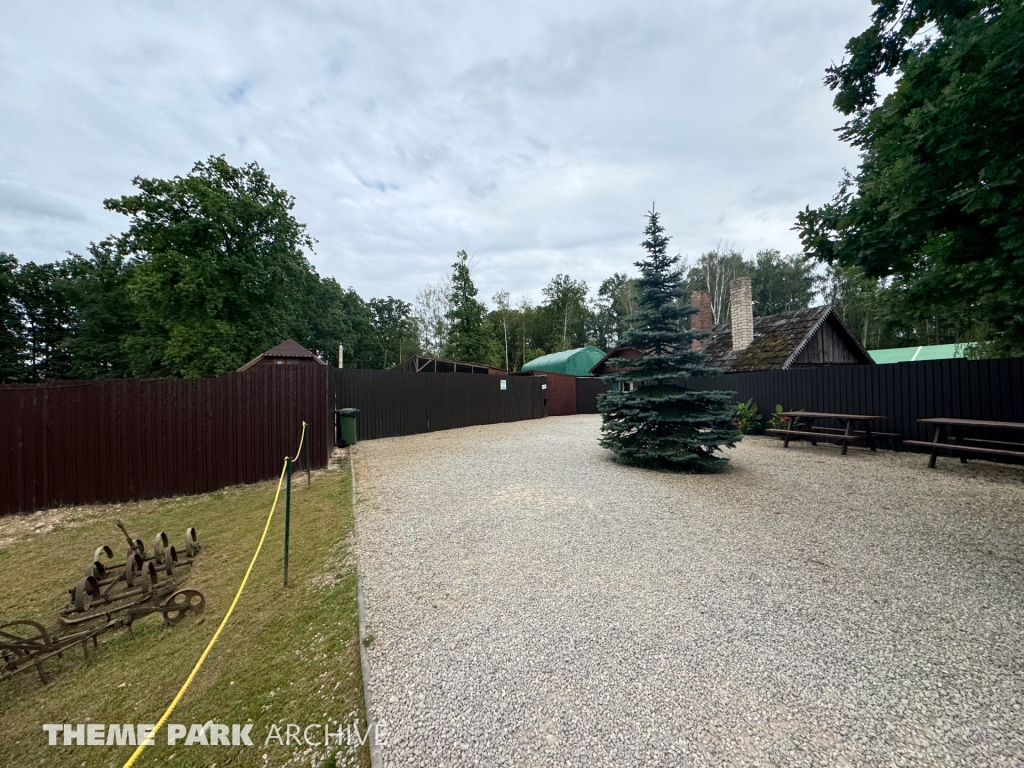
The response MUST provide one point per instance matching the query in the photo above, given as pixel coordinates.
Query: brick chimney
(741, 301)
(702, 320)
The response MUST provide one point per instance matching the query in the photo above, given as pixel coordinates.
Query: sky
(535, 136)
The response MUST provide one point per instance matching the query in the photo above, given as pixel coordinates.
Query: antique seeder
(108, 597)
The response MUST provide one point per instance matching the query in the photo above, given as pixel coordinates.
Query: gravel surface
(533, 603)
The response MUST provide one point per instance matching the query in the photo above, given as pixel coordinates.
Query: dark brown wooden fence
(66, 443)
(992, 390)
(395, 403)
(587, 390)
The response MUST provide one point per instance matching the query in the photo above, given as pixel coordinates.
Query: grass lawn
(286, 655)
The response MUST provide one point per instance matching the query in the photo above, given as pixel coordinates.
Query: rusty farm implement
(108, 597)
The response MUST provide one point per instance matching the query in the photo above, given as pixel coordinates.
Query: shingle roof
(286, 348)
(778, 339)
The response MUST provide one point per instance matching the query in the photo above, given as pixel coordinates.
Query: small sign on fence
(504, 385)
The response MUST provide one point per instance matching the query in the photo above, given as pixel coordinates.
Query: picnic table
(962, 441)
(843, 435)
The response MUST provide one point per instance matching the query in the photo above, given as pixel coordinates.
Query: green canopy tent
(571, 362)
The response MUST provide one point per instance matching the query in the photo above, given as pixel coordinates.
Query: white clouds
(533, 137)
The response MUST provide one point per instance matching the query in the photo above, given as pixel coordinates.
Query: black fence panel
(396, 403)
(902, 393)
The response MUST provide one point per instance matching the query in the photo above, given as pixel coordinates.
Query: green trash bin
(346, 426)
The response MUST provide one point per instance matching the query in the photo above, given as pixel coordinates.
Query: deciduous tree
(565, 303)
(219, 268)
(713, 272)
(937, 203)
(780, 283)
(395, 330)
(104, 316)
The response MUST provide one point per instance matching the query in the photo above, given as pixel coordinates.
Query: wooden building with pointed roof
(806, 338)
(288, 352)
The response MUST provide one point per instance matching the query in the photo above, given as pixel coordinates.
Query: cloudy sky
(533, 135)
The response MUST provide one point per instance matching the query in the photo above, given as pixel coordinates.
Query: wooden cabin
(807, 338)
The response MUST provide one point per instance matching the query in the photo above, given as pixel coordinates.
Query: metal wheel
(20, 641)
(191, 543)
(170, 556)
(132, 567)
(82, 594)
(159, 545)
(148, 578)
(182, 602)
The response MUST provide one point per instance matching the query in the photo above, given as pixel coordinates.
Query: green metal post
(309, 463)
(287, 513)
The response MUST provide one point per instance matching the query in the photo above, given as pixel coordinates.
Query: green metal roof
(574, 362)
(912, 354)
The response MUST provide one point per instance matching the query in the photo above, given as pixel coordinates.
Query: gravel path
(535, 604)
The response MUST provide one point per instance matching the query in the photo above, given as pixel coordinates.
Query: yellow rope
(206, 652)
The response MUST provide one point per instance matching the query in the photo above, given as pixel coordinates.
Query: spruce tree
(648, 418)
(467, 338)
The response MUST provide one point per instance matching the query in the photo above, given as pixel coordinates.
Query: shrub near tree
(654, 422)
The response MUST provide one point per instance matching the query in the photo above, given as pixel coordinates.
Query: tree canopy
(210, 272)
(219, 269)
(936, 208)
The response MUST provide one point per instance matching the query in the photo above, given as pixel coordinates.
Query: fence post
(287, 512)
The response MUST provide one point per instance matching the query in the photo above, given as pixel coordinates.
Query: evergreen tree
(650, 420)
(44, 297)
(468, 340)
(12, 342)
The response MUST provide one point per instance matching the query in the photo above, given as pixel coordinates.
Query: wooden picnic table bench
(963, 443)
(843, 435)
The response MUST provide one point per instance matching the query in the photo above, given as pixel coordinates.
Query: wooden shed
(626, 353)
(425, 364)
